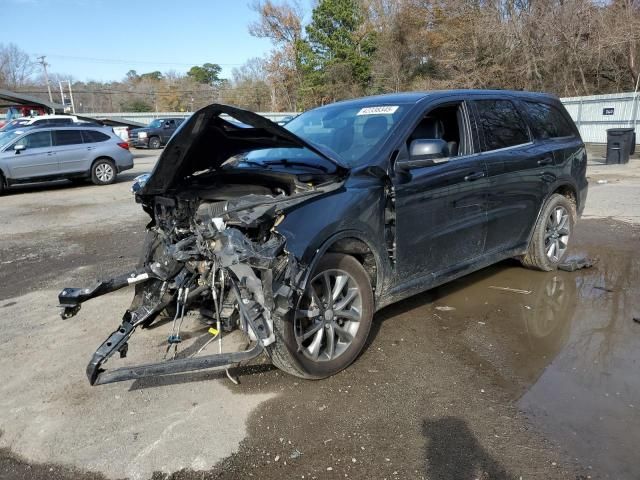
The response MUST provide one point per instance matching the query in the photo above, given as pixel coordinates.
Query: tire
(3, 184)
(551, 234)
(154, 143)
(349, 286)
(103, 172)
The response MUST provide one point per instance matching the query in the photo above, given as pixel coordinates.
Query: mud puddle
(564, 344)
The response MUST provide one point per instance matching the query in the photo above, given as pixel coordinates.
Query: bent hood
(206, 141)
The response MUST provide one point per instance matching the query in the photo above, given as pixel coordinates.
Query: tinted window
(67, 137)
(60, 121)
(91, 136)
(547, 121)
(36, 140)
(501, 124)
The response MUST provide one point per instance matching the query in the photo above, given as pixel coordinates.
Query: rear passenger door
(514, 166)
(73, 156)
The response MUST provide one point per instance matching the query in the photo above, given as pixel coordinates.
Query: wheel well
(361, 252)
(103, 158)
(569, 192)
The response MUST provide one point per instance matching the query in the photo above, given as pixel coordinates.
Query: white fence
(596, 113)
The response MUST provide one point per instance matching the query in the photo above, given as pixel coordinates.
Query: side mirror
(425, 152)
(20, 147)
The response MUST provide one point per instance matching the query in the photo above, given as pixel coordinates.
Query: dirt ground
(504, 374)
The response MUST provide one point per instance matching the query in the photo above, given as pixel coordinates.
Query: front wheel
(154, 143)
(330, 326)
(551, 234)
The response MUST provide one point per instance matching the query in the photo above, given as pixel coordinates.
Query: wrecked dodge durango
(296, 235)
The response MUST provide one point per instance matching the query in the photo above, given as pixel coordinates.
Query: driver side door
(441, 222)
(38, 159)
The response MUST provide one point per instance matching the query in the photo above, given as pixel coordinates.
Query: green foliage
(136, 105)
(336, 56)
(207, 74)
(154, 76)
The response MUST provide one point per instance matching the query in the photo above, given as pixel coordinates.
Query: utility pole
(46, 76)
(73, 105)
(61, 94)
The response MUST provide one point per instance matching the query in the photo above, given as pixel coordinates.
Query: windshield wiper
(286, 162)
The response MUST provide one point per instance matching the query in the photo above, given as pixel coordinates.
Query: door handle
(49, 154)
(473, 176)
(545, 161)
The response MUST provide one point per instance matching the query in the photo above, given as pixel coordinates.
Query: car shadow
(452, 452)
(65, 184)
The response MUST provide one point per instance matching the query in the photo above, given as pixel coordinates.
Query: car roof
(415, 97)
(45, 117)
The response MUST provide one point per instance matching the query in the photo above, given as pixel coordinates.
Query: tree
(207, 74)
(337, 54)
(16, 68)
(153, 76)
(282, 24)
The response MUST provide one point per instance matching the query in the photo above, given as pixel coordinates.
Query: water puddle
(565, 344)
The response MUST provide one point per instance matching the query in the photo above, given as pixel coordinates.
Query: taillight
(124, 145)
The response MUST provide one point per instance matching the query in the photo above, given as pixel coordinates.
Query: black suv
(156, 134)
(297, 235)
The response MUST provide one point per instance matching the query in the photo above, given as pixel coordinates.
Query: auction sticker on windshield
(387, 109)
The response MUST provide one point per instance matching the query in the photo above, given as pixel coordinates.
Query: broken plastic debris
(445, 308)
(573, 264)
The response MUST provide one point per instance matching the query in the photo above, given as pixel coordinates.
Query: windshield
(353, 132)
(12, 125)
(157, 123)
(9, 136)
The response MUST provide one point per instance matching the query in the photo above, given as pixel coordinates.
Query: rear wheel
(551, 235)
(103, 172)
(154, 142)
(330, 326)
(2, 184)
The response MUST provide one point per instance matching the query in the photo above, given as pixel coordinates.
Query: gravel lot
(465, 381)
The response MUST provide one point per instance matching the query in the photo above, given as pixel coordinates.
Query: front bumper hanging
(71, 300)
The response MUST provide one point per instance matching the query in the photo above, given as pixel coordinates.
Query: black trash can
(621, 143)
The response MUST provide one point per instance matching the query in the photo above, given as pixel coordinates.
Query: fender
(383, 266)
(553, 188)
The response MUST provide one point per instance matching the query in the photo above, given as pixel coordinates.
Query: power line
(129, 61)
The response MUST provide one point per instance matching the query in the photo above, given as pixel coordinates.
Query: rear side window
(91, 136)
(67, 137)
(547, 121)
(501, 124)
(60, 121)
(36, 140)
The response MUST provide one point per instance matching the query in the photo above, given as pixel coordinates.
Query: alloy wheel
(104, 172)
(329, 315)
(556, 235)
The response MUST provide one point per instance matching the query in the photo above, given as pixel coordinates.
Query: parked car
(50, 153)
(40, 120)
(297, 235)
(156, 135)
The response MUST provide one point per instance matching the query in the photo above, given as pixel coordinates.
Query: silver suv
(50, 153)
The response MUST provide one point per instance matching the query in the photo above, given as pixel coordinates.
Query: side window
(91, 136)
(547, 121)
(36, 140)
(60, 121)
(446, 123)
(67, 137)
(172, 123)
(501, 124)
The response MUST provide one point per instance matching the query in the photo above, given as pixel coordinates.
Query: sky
(103, 39)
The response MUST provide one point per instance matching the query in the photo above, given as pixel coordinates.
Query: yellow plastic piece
(213, 331)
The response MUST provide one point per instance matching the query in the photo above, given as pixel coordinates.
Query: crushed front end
(212, 245)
